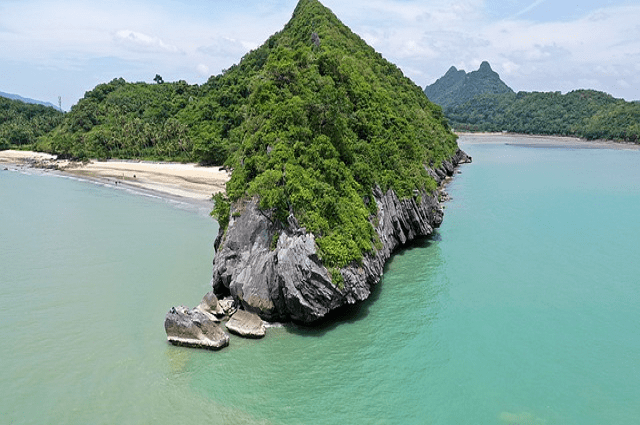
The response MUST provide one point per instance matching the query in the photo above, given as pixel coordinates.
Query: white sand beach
(183, 180)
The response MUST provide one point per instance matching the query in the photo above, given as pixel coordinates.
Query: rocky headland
(337, 160)
(287, 281)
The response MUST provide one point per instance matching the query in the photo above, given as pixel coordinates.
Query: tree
(158, 79)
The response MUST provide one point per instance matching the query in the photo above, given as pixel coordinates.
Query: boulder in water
(246, 324)
(193, 328)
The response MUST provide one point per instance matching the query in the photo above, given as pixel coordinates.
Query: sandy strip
(19, 157)
(528, 140)
(189, 181)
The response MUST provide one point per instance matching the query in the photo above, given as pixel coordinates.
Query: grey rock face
(246, 324)
(210, 306)
(193, 328)
(288, 281)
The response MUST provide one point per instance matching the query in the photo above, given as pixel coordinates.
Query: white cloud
(141, 42)
(225, 46)
(543, 55)
(623, 83)
(508, 67)
(203, 70)
(183, 40)
(529, 8)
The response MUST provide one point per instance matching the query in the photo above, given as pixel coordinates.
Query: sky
(53, 49)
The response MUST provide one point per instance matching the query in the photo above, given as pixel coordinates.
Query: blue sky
(52, 48)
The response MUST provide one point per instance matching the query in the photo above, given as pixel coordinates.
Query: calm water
(523, 309)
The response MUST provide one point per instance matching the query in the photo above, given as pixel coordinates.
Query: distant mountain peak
(457, 87)
(484, 66)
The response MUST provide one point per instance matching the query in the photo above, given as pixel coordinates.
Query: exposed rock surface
(246, 324)
(289, 282)
(210, 306)
(194, 328)
(228, 305)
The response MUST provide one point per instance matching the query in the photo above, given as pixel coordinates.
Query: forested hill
(127, 120)
(314, 119)
(21, 123)
(457, 87)
(480, 101)
(588, 114)
(333, 84)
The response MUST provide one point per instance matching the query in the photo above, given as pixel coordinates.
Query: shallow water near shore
(522, 309)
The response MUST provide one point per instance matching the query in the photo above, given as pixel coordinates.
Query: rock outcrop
(211, 307)
(246, 324)
(287, 281)
(194, 328)
(201, 327)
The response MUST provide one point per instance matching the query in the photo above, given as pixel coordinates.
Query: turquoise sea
(524, 308)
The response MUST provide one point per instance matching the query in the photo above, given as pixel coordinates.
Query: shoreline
(547, 141)
(194, 184)
(184, 183)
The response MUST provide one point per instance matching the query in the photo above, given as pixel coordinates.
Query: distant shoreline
(534, 140)
(189, 183)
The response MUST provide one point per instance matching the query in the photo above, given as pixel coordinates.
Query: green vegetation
(481, 101)
(125, 120)
(221, 210)
(22, 123)
(581, 113)
(324, 119)
(619, 121)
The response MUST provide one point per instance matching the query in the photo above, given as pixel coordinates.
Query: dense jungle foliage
(582, 113)
(126, 120)
(22, 123)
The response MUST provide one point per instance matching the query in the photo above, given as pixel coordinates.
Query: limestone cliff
(285, 280)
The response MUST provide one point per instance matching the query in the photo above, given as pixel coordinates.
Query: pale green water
(524, 309)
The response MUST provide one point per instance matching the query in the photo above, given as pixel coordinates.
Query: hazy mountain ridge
(27, 100)
(457, 87)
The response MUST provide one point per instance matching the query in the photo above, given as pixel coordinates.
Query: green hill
(582, 113)
(480, 101)
(126, 120)
(22, 123)
(457, 87)
(324, 119)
